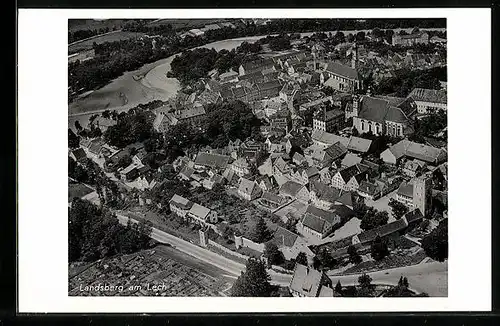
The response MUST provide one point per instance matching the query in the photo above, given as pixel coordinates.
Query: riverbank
(128, 91)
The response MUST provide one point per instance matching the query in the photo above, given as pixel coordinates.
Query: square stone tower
(422, 194)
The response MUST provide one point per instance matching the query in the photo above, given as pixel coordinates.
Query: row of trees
(406, 80)
(95, 233)
(114, 58)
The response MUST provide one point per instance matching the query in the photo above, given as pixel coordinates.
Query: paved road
(205, 255)
(431, 278)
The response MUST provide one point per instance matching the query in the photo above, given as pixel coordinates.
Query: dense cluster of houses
(326, 165)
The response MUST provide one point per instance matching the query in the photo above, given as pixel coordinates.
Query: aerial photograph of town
(257, 157)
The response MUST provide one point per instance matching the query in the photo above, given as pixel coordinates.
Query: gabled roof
(246, 186)
(368, 188)
(406, 189)
(199, 211)
(341, 70)
(359, 144)
(350, 160)
(383, 230)
(274, 198)
(212, 160)
(347, 198)
(291, 188)
(314, 223)
(349, 172)
(336, 150)
(283, 237)
(96, 145)
(79, 154)
(281, 165)
(324, 192)
(413, 216)
(419, 151)
(327, 216)
(181, 202)
(306, 281)
(381, 109)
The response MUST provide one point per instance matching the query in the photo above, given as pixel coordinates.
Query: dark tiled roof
(313, 222)
(406, 189)
(322, 214)
(306, 281)
(336, 150)
(368, 188)
(342, 70)
(413, 216)
(380, 109)
(291, 188)
(79, 154)
(212, 160)
(284, 237)
(325, 192)
(349, 172)
(383, 230)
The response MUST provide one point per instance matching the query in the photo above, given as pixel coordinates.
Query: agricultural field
(180, 24)
(91, 24)
(78, 190)
(156, 272)
(109, 37)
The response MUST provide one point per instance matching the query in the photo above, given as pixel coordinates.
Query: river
(148, 83)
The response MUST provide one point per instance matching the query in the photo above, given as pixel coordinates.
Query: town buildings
(429, 100)
(410, 39)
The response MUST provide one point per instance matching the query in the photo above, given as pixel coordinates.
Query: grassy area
(391, 261)
(180, 24)
(168, 223)
(91, 24)
(111, 37)
(78, 190)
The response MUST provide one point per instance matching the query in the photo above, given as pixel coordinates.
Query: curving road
(206, 255)
(431, 278)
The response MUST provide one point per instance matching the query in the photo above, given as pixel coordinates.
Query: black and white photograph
(258, 157)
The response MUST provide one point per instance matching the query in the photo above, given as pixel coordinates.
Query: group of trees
(132, 126)
(114, 58)
(82, 34)
(435, 243)
(379, 249)
(253, 282)
(277, 43)
(406, 80)
(370, 217)
(324, 260)
(225, 121)
(365, 288)
(398, 209)
(95, 233)
(429, 125)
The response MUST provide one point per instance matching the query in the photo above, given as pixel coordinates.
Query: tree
(354, 257)
(253, 282)
(273, 254)
(338, 287)
(379, 249)
(373, 219)
(435, 244)
(301, 259)
(324, 260)
(365, 281)
(78, 126)
(73, 139)
(261, 233)
(398, 209)
(291, 225)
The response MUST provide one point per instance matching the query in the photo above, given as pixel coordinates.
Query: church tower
(422, 194)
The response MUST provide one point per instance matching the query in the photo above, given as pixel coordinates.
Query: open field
(78, 190)
(109, 37)
(185, 23)
(91, 24)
